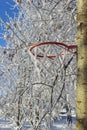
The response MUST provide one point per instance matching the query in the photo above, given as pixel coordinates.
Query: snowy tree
(81, 92)
(35, 87)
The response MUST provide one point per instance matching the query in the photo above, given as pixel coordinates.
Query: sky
(5, 6)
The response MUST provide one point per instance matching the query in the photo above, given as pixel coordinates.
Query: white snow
(57, 125)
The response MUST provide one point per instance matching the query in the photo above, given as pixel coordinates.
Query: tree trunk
(19, 113)
(81, 92)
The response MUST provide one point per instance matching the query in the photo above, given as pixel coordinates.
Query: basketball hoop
(61, 45)
(48, 57)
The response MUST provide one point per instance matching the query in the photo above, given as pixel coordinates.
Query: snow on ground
(57, 125)
(62, 124)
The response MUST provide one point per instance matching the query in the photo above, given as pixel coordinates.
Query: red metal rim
(70, 47)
